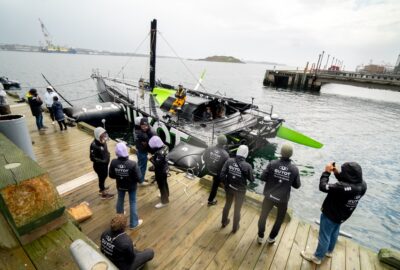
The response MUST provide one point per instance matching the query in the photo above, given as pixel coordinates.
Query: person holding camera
(342, 199)
(279, 177)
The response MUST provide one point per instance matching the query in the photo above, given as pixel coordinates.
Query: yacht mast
(153, 39)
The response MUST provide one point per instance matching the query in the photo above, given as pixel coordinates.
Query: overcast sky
(286, 31)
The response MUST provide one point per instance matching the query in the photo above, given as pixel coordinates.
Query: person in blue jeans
(127, 175)
(142, 136)
(35, 103)
(342, 199)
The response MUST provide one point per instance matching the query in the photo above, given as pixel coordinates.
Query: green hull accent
(162, 94)
(294, 136)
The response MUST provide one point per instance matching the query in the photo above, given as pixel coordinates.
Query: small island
(226, 59)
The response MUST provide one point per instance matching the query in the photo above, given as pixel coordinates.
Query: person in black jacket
(100, 157)
(35, 103)
(117, 246)
(235, 173)
(58, 113)
(161, 168)
(127, 174)
(342, 199)
(142, 137)
(214, 158)
(279, 177)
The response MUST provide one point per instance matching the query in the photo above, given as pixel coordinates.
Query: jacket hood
(351, 172)
(156, 142)
(243, 151)
(121, 150)
(97, 132)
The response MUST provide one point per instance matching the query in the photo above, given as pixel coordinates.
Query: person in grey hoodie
(279, 177)
(342, 199)
(235, 173)
(100, 157)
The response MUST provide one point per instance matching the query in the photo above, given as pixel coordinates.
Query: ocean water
(355, 124)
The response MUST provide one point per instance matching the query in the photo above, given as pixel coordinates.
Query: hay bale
(28, 199)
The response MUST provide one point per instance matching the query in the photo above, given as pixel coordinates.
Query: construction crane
(46, 34)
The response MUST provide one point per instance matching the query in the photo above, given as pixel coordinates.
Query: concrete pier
(313, 81)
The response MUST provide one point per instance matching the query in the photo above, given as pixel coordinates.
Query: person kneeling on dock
(117, 246)
(161, 168)
(235, 173)
(279, 177)
(127, 174)
(339, 204)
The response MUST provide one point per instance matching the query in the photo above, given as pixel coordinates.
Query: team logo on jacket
(283, 168)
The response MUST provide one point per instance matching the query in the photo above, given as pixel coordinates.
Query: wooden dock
(187, 234)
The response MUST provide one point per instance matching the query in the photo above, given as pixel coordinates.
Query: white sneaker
(140, 222)
(160, 205)
(143, 184)
(53, 123)
(329, 254)
(310, 257)
(271, 240)
(260, 240)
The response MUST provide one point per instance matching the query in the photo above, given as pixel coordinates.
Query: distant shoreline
(221, 59)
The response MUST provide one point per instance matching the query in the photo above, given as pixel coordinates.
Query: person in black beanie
(214, 158)
(342, 199)
(142, 137)
(279, 177)
(117, 246)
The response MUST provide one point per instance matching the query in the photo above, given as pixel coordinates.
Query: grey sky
(288, 31)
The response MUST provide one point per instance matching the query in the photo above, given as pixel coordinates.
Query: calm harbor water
(355, 124)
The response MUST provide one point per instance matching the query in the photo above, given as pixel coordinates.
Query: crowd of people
(53, 106)
(233, 173)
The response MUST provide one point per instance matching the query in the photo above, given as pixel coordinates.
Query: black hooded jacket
(99, 154)
(35, 103)
(118, 248)
(142, 139)
(160, 160)
(343, 196)
(235, 173)
(126, 172)
(215, 157)
(279, 176)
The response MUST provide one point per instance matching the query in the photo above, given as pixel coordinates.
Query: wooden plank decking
(187, 234)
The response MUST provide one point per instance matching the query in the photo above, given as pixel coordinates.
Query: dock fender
(188, 157)
(93, 114)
